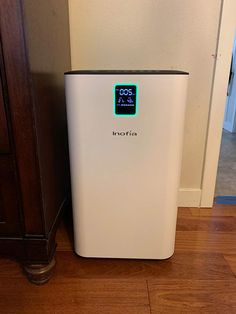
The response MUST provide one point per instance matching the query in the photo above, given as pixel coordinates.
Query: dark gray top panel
(123, 72)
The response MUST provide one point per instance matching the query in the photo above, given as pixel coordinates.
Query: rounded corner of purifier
(80, 251)
(167, 256)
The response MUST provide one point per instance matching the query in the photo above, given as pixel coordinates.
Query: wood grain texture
(218, 210)
(180, 266)
(10, 269)
(193, 296)
(218, 224)
(4, 141)
(61, 296)
(202, 241)
(231, 260)
(184, 212)
(65, 236)
(49, 58)
(9, 205)
(34, 171)
(199, 278)
(22, 116)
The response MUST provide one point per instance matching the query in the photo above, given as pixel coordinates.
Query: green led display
(125, 99)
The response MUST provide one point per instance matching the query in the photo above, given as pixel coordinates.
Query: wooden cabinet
(34, 172)
(9, 205)
(4, 141)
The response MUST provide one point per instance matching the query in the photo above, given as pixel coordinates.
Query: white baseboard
(189, 197)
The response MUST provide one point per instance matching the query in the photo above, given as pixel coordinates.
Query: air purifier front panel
(125, 140)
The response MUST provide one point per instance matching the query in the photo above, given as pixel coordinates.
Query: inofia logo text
(126, 133)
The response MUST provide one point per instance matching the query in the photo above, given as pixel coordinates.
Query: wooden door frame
(227, 27)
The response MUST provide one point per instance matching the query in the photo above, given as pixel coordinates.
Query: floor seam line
(149, 300)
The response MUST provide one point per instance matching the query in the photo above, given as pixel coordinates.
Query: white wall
(160, 34)
(48, 37)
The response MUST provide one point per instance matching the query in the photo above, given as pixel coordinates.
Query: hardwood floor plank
(231, 260)
(198, 278)
(217, 210)
(64, 236)
(205, 242)
(9, 269)
(184, 212)
(199, 223)
(181, 265)
(106, 310)
(79, 309)
(192, 296)
(74, 295)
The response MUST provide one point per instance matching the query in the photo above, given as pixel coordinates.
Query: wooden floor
(199, 278)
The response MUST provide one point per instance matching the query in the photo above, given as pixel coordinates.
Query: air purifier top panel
(129, 72)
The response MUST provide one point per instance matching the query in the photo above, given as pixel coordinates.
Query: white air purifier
(125, 141)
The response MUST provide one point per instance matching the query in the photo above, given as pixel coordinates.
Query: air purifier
(125, 141)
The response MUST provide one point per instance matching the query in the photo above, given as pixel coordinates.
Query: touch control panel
(125, 99)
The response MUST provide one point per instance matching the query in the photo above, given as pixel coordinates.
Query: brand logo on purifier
(126, 133)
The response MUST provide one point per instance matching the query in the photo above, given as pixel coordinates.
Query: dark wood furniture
(34, 53)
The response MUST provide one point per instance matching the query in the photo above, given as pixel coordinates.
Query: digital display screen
(125, 100)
